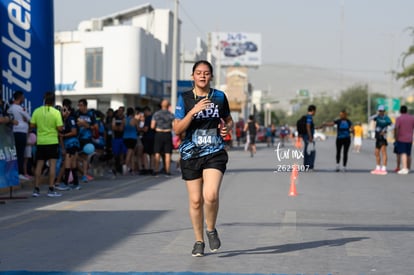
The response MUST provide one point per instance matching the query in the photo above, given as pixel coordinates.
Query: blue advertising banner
(27, 49)
(9, 175)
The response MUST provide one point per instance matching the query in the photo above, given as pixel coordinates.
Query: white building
(123, 59)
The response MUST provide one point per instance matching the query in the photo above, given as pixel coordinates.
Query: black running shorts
(380, 142)
(192, 169)
(163, 142)
(46, 152)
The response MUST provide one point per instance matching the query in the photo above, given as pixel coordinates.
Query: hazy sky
(365, 37)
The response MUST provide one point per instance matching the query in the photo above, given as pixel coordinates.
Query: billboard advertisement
(27, 50)
(237, 48)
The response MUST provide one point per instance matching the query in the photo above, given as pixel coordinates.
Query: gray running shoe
(213, 240)
(53, 194)
(36, 192)
(198, 249)
(62, 187)
(76, 187)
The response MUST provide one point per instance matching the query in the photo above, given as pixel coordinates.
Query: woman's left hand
(224, 130)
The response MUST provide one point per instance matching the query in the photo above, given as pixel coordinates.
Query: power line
(192, 21)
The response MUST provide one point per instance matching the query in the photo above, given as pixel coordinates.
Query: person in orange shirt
(358, 132)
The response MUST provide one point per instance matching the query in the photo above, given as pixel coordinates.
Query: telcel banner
(9, 175)
(27, 49)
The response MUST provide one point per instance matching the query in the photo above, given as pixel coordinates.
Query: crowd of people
(403, 136)
(71, 143)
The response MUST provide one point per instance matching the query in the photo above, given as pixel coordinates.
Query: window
(94, 67)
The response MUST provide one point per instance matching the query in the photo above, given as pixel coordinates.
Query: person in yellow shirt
(358, 132)
(48, 123)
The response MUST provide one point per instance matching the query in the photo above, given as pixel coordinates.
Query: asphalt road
(339, 223)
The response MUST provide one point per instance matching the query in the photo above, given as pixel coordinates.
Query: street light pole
(174, 59)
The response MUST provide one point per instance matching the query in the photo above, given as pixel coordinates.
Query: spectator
(268, 136)
(130, 137)
(148, 141)
(309, 148)
(343, 138)
(70, 148)
(403, 133)
(99, 135)
(20, 130)
(86, 121)
(382, 121)
(251, 128)
(139, 151)
(161, 123)
(48, 122)
(284, 133)
(108, 128)
(239, 131)
(358, 133)
(118, 146)
(28, 155)
(5, 117)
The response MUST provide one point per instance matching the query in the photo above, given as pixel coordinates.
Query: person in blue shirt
(308, 151)
(203, 114)
(86, 121)
(71, 147)
(343, 138)
(130, 138)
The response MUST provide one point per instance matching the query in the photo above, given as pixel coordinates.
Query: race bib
(205, 137)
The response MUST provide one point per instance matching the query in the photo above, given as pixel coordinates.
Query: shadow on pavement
(331, 226)
(285, 248)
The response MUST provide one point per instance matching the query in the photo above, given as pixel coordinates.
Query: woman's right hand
(200, 106)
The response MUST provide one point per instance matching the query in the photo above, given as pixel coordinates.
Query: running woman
(203, 114)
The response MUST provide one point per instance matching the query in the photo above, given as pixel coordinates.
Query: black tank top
(251, 126)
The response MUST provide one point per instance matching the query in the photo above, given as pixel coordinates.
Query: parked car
(234, 49)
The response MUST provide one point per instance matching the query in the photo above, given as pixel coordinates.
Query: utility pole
(341, 46)
(174, 59)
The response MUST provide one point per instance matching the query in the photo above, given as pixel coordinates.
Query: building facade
(122, 59)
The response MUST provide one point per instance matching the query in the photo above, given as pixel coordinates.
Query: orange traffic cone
(295, 172)
(298, 143)
(292, 191)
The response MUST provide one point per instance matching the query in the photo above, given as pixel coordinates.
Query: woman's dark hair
(205, 62)
(130, 111)
(49, 98)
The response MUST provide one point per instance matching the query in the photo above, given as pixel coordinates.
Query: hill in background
(282, 81)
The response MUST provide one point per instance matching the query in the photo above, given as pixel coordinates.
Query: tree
(408, 69)
(354, 100)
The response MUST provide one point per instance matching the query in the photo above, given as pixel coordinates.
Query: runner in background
(251, 128)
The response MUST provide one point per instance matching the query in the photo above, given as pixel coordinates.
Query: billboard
(237, 48)
(27, 49)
